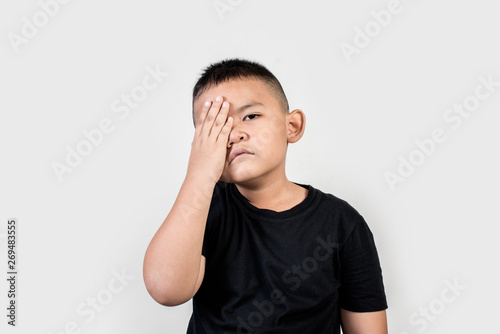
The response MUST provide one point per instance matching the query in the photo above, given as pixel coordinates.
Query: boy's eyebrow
(248, 105)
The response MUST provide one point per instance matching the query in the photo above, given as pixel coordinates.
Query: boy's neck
(278, 195)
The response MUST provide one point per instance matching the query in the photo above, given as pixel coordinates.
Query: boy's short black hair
(231, 69)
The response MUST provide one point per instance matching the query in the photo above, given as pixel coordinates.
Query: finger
(212, 114)
(203, 115)
(224, 133)
(220, 119)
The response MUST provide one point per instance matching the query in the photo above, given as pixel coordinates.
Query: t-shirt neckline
(266, 213)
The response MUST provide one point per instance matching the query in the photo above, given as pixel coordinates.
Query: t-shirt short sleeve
(362, 288)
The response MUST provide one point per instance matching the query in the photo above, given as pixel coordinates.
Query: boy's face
(260, 129)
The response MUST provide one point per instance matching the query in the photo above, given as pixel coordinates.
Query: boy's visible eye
(251, 116)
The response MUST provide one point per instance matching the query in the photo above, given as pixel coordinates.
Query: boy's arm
(363, 322)
(173, 265)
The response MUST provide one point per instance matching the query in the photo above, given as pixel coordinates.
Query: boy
(257, 252)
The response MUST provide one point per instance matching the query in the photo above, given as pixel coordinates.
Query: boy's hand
(209, 146)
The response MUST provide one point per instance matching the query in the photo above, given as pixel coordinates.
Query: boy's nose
(235, 137)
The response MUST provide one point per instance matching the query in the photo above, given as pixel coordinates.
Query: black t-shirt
(284, 272)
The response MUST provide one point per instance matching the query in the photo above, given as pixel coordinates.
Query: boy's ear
(296, 122)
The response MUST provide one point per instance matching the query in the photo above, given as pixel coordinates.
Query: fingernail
(218, 99)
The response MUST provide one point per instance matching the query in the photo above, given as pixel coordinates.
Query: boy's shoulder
(340, 204)
(331, 199)
(343, 213)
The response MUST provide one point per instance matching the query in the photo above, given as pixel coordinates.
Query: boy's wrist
(202, 173)
(201, 181)
(198, 191)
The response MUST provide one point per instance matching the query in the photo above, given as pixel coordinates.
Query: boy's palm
(209, 146)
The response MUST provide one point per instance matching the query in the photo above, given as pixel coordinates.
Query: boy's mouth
(237, 152)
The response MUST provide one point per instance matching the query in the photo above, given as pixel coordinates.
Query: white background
(439, 224)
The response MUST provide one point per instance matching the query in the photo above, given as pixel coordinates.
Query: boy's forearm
(364, 322)
(172, 260)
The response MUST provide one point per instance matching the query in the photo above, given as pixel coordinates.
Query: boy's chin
(238, 178)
